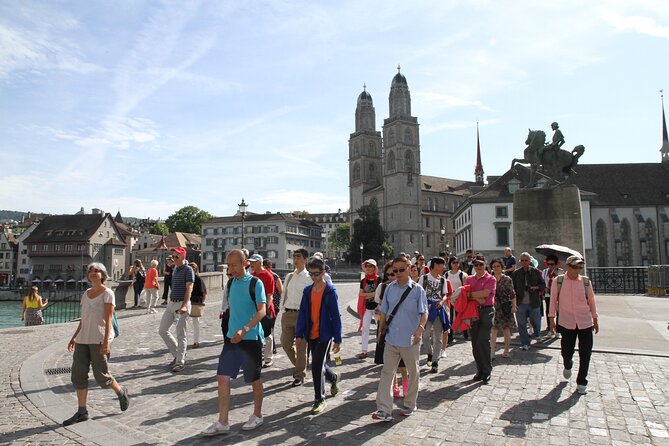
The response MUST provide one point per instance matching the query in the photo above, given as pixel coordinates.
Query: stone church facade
(385, 170)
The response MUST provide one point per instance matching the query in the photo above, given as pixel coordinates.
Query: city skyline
(146, 108)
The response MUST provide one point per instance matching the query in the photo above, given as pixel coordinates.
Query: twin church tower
(385, 169)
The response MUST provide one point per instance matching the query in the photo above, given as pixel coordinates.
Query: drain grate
(58, 371)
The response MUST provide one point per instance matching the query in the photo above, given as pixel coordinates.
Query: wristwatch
(246, 328)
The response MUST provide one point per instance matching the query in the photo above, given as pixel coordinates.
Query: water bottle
(337, 358)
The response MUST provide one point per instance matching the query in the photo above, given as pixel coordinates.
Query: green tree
(368, 231)
(188, 219)
(159, 229)
(339, 239)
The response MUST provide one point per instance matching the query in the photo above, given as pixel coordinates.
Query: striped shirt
(180, 276)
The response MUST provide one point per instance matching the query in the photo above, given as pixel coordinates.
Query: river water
(10, 314)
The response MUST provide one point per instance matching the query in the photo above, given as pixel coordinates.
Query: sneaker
(177, 368)
(581, 389)
(406, 411)
(318, 407)
(396, 392)
(123, 399)
(435, 368)
(76, 418)
(429, 360)
(215, 429)
(382, 416)
(297, 382)
(525, 347)
(172, 363)
(477, 377)
(196, 345)
(566, 373)
(334, 388)
(267, 364)
(154, 311)
(443, 354)
(252, 423)
(361, 355)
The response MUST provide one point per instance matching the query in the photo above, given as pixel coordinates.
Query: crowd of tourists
(414, 307)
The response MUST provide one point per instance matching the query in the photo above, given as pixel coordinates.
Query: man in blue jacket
(319, 323)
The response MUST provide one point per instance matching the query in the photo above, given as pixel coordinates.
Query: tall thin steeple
(478, 171)
(665, 140)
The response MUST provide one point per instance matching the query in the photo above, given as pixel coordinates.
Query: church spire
(665, 140)
(478, 171)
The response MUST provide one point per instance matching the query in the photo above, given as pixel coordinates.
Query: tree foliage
(339, 239)
(187, 219)
(159, 229)
(368, 230)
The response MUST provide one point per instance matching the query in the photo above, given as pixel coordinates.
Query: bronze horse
(555, 162)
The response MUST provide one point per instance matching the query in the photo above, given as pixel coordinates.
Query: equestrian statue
(555, 162)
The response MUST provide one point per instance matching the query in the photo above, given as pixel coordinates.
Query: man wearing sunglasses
(573, 302)
(405, 330)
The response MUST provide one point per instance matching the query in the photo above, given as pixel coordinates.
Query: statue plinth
(550, 215)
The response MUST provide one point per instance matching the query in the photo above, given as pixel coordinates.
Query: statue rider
(555, 144)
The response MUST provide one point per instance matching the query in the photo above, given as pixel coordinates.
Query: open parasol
(562, 252)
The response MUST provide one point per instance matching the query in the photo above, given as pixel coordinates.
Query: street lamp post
(443, 233)
(361, 248)
(242, 212)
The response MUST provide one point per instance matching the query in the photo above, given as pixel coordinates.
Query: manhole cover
(58, 371)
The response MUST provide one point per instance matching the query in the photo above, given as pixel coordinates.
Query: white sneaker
(215, 429)
(443, 354)
(252, 423)
(566, 373)
(153, 311)
(581, 389)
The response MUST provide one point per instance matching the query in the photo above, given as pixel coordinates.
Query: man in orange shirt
(319, 323)
(151, 287)
(573, 301)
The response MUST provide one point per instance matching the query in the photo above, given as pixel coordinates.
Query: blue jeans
(525, 311)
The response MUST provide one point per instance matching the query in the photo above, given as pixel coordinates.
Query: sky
(145, 107)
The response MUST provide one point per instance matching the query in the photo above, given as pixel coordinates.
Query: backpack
(442, 281)
(140, 275)
(586, 284)
(370, 305)
(225, 317)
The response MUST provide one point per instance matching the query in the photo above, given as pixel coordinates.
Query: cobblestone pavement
(526, 402)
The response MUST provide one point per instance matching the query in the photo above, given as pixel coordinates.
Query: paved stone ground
(526, 402)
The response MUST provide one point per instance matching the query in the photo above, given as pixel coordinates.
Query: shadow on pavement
(537, 411)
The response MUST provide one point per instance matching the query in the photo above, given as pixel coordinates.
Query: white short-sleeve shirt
(93, 317)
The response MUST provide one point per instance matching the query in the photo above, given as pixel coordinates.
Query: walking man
(573, 302)
(482, 289)
(403, 313)
(438, 291)
(528, 283)
(267, 279)
(292, 297)
(178, 309)
(245, 347)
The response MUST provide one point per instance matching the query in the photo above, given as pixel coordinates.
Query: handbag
(197, 310)
(115, 325)
(381, 345)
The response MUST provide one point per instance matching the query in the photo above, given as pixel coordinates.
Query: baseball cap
(479, 258)
(255, 258)
(179, 250)
(370, 261)
(574, 260)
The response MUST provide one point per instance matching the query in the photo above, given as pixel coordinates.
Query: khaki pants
(391, 359)
(297, 356)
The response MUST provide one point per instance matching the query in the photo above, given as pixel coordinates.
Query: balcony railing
(619, 280)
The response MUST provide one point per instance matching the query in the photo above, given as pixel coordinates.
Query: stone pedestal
(543, 216)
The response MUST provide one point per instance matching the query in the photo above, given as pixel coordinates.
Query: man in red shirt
(267, 280)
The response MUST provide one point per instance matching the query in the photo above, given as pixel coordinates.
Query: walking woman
(197, 298)
(91, 343)
(319, 324)
(505, 308)
(138, 275)
(367, 291)
(32, 307)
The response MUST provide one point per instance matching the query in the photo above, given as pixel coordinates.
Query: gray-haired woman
(90, 343)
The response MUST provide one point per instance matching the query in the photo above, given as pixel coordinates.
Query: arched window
(372, 172)
(624, 245)
(374, 202)
(390, 162)
(650, 252)
(356, 150)
(372, 149)
(356, 172)
(408, 136)
(408, 161)
(601, 240)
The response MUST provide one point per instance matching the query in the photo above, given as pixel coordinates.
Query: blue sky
(145, 107)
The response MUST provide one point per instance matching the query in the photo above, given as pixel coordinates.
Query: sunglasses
(390, 274)
(401, 270)
(315, 273)
(576, 266)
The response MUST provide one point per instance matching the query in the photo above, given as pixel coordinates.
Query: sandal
(362, 355)
(505, 355)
